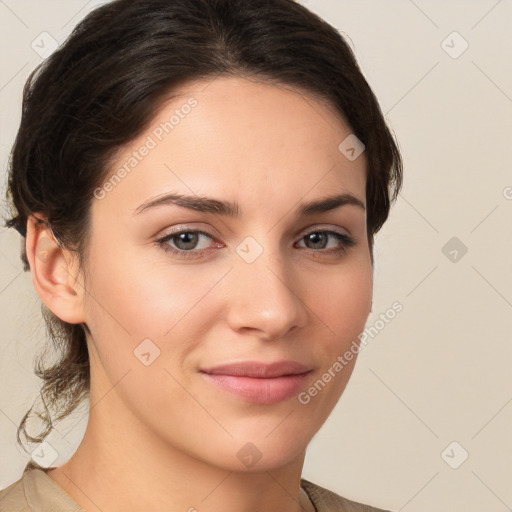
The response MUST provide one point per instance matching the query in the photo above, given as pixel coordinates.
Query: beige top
(35, 491)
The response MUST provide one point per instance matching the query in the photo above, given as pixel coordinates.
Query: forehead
(239, 139)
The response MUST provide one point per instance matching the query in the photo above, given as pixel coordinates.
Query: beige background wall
(438, 372)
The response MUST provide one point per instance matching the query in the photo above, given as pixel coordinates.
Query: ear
(54, 272)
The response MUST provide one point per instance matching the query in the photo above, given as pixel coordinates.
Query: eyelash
(346, 243)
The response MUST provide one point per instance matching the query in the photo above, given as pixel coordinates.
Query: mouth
(257, 382)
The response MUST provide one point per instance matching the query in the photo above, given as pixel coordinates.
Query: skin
(172, 436)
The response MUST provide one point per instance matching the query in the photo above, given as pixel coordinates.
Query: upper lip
(259, 369)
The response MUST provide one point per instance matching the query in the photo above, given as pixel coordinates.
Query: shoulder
(328, 501)
(35, 491)
(13, 497)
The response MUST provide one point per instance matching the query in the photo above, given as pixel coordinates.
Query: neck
(121, 465)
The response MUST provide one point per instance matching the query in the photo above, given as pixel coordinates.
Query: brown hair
(100, 90)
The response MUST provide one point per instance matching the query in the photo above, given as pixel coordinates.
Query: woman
(199, 183)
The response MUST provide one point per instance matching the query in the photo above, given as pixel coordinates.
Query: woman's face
(270, 283)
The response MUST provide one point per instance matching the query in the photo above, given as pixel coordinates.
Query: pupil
(315, 237)
(187, 238)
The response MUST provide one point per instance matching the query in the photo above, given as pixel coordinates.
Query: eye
(184, 243)
(318, 240)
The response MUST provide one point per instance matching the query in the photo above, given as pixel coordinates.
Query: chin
(264, 452)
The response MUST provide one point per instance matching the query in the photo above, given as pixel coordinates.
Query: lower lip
(260, 390)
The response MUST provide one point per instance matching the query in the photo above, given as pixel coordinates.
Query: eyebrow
(232, 209)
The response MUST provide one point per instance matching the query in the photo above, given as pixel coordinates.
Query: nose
(266, 297)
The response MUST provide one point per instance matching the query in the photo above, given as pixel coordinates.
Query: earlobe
(54, 271)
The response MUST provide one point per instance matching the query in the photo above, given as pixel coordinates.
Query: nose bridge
(263, 296)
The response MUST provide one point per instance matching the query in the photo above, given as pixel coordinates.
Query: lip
(259, 369)
(258, 382)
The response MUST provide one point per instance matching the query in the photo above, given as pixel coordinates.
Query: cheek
(343, 302)
(143, 296)
(136, 299)
(342, 305)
